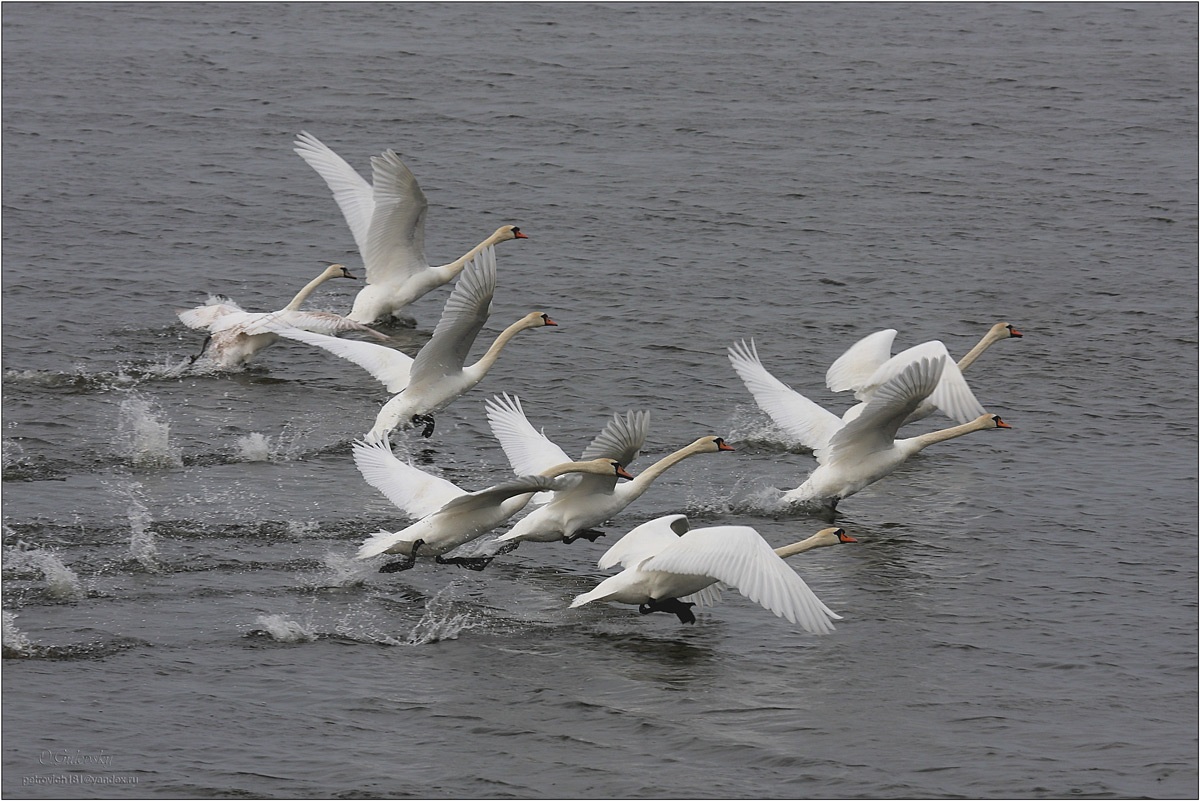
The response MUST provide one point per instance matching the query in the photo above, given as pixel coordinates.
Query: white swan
(448, 515)
(438, 375)
(235, 335)
(812, 425)
(574, 511)
(666, 564)
(859, 368)
(854, 454)
(387, 219)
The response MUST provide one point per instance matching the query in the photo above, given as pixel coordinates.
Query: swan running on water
(666, 564)
(387, 219)
(449, 516)
(235, 335)
(437, 376)
(573, 512)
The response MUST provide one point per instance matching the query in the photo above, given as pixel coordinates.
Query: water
(181, 609)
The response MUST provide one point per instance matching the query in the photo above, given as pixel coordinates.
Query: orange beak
(622, 472)
(844, 537)
(721, 446)
(548, 321)
(1001, 424)
(1012, 332)
(519, 235)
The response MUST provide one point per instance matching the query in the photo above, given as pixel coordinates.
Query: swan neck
(455, 267)
(934, 437)
(645, 478)
(798, 547)
(975, 352)
(305, 291)
(488, 359)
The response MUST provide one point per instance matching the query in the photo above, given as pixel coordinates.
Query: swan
(666, 563)
(859, 368)
(437, 376)
(387, 219)
(573, 511)
(235, 335)
(448, 515)
(851, 455)
(812, 425)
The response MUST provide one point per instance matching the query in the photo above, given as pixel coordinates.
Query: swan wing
(396, 240)
(320, 322)
(709, 596)
(204, 316)
(952, 395)
(738, 556)
(529, 451)
(416, 492)
(463, 317)
(644, 541)
(796, 414)
(387, 365)
(354, 195)
(498, 493)
(874, 429)
(622, 438)
(853, 369)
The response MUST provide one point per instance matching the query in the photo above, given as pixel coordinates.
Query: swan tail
(379, 542)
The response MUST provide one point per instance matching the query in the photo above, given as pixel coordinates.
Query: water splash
(281, 629)
(15, 641)
(750, 426)
(61, 581)
(141, 539)
(253, 447)
(440, 621)
(142, 436)
(287, 446)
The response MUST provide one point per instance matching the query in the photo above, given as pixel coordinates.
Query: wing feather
(796, 414)
(411, 489)
(395, 248)
(853, 369)
(387, 365)
(353, 194)
(462, 319)
(875, 427)
(644, 541)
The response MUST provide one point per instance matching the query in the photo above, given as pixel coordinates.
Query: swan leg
(469, 562)
(681, 609)
(589, 534)
(203, 347)
(405, 563)
(507, 547)
(425, 420)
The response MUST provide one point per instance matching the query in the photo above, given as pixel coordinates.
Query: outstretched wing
(952, 395)
(387, 365)
(204, 316)
(644, 541)
(738, 556)
(416, 492)
(529, 451)
(396, 241)
(498, 493)
(875, 427)
(354, 195)
(853, 369)
(463, 317)
(796, 414)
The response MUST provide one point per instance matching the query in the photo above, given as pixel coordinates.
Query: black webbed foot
(469, 562)
(425, 420)
(405, 563)
(589, 534)
(507, 547)
(681, 609)
(203, 347)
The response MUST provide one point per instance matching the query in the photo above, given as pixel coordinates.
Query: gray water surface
(182, 612)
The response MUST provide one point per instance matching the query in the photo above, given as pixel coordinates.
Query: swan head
(991, 421)
(710, 445)
(1003, 331)
(832, 536)
(507, 232)
(337, 271)
(536, 320)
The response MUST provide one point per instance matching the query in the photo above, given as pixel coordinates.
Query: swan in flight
(859, 368)
(854, 454)
(812, 425)
(235, 335)
(387, 219)
(437, 376)
(449, 516)
(666, 564)
(574, 511)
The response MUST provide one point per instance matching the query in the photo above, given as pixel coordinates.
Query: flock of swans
(668, 566)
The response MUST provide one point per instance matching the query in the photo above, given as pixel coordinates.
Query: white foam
(15, 641)
(282, 629)
(142, 436)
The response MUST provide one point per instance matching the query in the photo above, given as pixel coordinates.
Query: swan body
(438, 375)
(387, 219)
(861, 368)
(858, 453)
(593, 500)
(449, 516)
(235, 335)
(666, 564)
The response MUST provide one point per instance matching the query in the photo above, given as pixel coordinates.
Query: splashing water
(254, 447)
(141, 540)
(439, 621)
(61, 581)
(342, 571)
(143, 438)
(282, 629)
(15, 642)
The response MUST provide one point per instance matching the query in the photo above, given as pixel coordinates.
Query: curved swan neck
(988, 340)
(307, 290)
(488, 359)
(933, 437)
(646, 477)
(814, 541)
(451, 270)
